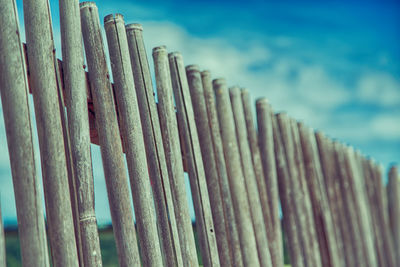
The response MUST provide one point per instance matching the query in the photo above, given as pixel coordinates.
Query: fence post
(132, 136)
(14, 96)
(187, 127)
(393, 191)
(109, 138)
(371, 189)
(235, 175)
(322, 216)
(382, 213)
(153, 143)
(170, 133)
(288, 192)
(363, 215)
(312, 242)
(250, 178)
(333, 190)
(265, 147)
(210, 168)
(3, 261)
(351, 230)
(41, 57)
(231, 223)
(258, 169)
(78, 127)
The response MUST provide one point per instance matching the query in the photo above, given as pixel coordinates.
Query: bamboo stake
(322, 216)
(210, 167)
(257, 165)
(79, 136)
(250, 178)
(384, 225)
(263, 145)
(3, 254)
(230, 221)
(68, 157)
(41, 57)
(14, 96)
(313, 246)
(333, 190)
(351, 233)
(109, 137)
(368, 175)
(170, 133)
(235, 175)
(363, 215)
(286, 194)
(187, 127)
(133, 140)
(393, 191)
(154, 146)
(298, 195)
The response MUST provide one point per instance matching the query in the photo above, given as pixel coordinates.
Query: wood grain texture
(154, 145)
(231, 223)
(265, 147)
(109, 138)
(132, 136)
(16, 112)
(210, 166)
(171, 141)
(43, 80)
(250, 178)
(192, 154)
(321, 213)
(235, 175)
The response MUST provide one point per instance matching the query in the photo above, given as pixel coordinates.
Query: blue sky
(332, 64)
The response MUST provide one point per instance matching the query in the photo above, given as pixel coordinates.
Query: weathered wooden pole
(230, 221)
(2, 241)
(154, 146)
(109, 138)
(133, 140)
(192, 154)
(14, 96)
(250, 178)
(41, 57)
(235, 175)
(322, 216)
(68, 157)
(264, 144)
(170, 133)
(313, 246)
(383, 217)
(210, 166)
(351, 225)
(366, 168)
(360, 200)
(287, 192)
(393, 191)
(333, 189)
(79, 135)
(257, 164)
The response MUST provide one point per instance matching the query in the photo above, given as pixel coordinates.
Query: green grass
(107, 244)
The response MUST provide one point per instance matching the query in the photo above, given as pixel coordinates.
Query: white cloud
(379, 88)
(386, 126)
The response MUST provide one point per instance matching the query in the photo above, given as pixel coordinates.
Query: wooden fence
(335, 208)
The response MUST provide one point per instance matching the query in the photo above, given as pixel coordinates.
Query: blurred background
(332, 64)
